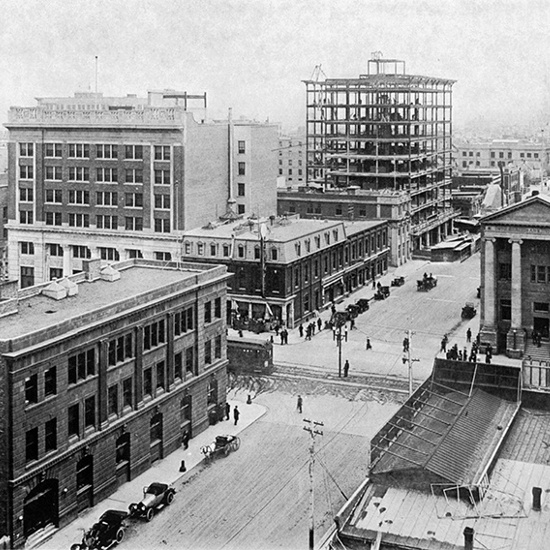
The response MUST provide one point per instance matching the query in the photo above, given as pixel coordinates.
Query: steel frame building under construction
(385, 130)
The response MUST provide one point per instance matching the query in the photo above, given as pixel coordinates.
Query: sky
(252, 55)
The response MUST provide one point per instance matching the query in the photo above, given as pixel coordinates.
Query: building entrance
(541, 325)
(41, 506)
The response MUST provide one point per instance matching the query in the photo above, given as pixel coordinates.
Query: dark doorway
(541, 325)
(155, 445)
(41, 507)
(85, 483)
(123, 459)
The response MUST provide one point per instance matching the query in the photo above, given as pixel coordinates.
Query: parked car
(154, 496)
(108, 531)
(362, 304)
(398, 281)
(469, 311)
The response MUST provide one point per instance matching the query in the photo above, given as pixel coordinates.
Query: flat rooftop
(39, 312)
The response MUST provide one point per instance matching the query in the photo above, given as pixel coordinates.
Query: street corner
(249, 411)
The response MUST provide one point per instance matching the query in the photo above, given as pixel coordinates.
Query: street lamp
(339, 319)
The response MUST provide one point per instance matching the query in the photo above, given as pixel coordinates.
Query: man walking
(227, 410)
(369, 346)
(346, 368)
(236, 414)
(299, 404)
(468, 335)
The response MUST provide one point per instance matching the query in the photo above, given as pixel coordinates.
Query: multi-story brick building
(123, 177)
(3, 226)
(355, 204)
(101, 374)
(386, 130)
(291, 267)
(292, 160)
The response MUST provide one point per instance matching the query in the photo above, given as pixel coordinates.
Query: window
(106, 175)
(31, 444)
(218, 347)
(506, 310)
(162, 177)
(212, 392)
(107, 198)
(541, 307)
(113, 399)
(256, 252)
(298, 248)
(134, 253)
(183, 321)
(133, 200)
(106, 151)
(53, 218)
(528, 155)
(56, 273)
(27, 276)
(50, 382)
(154, 335)
(242, 168)
(178, 365)
(208, 352)
(218, 308)
(240, 191)
(74, 420)
(79, 173)
(240, 208)
(79, 197)
(501, 155)
(521, 155)
(27, 248)
(200, 249)
(127, 392)
(226, 250)
(241, 147)
(274, 254)
(162, 202)
(163, 256)
(162, 225)
(54, 150)
(148, 381)
(79, 150)
(133, 224)
(240, 251)
(133, 152)
(190, 360)
(54, 196)
(81, 366)
(536, 155)
(540, 273)
(31, 389)
(134, 175)
(53, 173)
(120, 349)
(109, 254)
(160, 376)
(188, 247)
(162, 152)
(208, 312)
(26, 172)
(26, 149)
(89, 412)
(50, 435)
(26, 195)
(55, 249)
(106, 222)
(213, 249)
(79, 220)
(26, 217)
(505, 271)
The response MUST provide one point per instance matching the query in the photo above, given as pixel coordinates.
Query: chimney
(536, 498)
(91, 268)
(468, 538)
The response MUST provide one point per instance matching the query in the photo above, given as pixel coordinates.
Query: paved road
(258, 497)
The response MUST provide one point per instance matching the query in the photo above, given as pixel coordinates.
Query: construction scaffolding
(385, 130)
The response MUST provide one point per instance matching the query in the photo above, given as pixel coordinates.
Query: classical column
(67, 268)
(516, 282)
(489, 317)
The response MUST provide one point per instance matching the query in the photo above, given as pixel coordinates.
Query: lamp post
(339, 320)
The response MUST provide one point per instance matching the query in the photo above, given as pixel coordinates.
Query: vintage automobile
(223, 445)
(382, 293)
(154, 496)
(108, 531)
(469, 311)
(353, 311)
(425, 284)
(398, 281)
(362, 304)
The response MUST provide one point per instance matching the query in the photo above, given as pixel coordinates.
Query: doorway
(41, 506)
(541, 325)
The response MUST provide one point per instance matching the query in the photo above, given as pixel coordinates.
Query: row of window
(539, 273)
(501, 154)
(81, 174)
(102, 151)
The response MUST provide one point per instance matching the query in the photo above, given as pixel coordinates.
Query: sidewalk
(165, 471)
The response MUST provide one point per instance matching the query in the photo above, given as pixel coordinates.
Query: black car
(362, 304)
(108, 531)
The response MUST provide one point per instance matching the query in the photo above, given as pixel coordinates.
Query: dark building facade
(102, 374)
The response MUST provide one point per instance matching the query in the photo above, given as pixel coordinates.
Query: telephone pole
(311, 427)
(407, 359)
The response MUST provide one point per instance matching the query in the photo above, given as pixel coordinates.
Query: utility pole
(311, 427)
(407, 358)
(339, 320)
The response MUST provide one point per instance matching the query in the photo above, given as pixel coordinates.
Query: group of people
(536, 337)
(463, 354)
(283, 336)
(310, 328)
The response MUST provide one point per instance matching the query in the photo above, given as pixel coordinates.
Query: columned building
(515, 276)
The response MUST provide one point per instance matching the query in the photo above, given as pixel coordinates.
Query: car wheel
(169, 497)
(149, 514)
(120, 535)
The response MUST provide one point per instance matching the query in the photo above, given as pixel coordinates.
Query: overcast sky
(252, 55)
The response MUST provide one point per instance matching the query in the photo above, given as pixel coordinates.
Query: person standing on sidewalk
(369, 346)
(346, 368)
(468, 335)
(301, 330)
(299, 404)
(227, 410)
(236, 414)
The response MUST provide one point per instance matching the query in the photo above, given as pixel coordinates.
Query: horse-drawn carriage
(223, 445)
(426, 283)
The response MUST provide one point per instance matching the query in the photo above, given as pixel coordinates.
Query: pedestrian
(282, 336)
(346, 368)
(368, 344)
(346, 334)
(227, 410)
(319, 324)
(240, 333)
(312, 328)
(301, 330)
(285, 336)
(352, 324)
(373, 283)
(185, 439)
(308, 332)
(299, 404)
(236, 414)
(469, 335)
